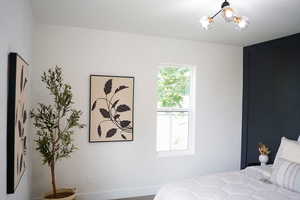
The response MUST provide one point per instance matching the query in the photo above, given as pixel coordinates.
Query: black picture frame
(16, 124)
(132, 109)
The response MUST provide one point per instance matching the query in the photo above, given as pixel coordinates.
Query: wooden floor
(139, 198)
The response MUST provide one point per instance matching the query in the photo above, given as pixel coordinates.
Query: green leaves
(55, 123)
(173, 85)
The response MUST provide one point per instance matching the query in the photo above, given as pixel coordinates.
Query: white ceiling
(269, 19)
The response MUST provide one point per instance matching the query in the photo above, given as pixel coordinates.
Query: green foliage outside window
(173, 85)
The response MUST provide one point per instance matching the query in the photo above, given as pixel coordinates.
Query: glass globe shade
(241, 22)
(228, 14)
(206, 22)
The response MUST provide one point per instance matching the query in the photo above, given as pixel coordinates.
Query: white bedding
(248, 184)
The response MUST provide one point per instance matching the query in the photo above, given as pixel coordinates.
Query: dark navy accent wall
(271, 96)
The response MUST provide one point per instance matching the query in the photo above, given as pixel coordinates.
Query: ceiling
(269, 19)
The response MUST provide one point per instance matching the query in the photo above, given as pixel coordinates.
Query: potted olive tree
(55, 124)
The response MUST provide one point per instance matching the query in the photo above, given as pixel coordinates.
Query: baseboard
(117, 193)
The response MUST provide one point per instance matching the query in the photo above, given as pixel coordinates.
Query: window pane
(180, 127)
(163, 132)
(172, 131)
(174, 87)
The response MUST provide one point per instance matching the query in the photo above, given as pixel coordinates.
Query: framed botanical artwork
(111, 108)
(17, 115)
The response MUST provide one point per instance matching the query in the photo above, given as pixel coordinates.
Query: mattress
(249, 184)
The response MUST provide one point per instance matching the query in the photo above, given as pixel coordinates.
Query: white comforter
(248, 184)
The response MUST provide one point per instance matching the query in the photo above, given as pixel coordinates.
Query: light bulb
(241, 22)
(228, 14)
(206, 22)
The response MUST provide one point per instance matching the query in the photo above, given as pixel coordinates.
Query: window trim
(192, 116)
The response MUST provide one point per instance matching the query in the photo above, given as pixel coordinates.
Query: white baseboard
(117, 193)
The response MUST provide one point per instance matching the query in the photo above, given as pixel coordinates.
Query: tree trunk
(52, 166)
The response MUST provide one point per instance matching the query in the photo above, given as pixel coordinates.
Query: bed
(251, 183)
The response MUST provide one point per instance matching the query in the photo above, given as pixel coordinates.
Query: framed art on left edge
(111, 108)
(17, 115)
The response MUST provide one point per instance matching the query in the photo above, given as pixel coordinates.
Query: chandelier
(241, 22)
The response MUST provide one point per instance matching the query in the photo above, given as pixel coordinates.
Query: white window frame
(192, 116)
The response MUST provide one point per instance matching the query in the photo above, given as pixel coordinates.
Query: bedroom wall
(16, 35)
(271, 95)
(114, 170)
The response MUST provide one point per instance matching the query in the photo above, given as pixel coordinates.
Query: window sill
(175, 153)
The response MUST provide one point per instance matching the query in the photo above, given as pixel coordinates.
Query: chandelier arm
(216, 14)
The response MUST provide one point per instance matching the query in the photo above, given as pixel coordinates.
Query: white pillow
(286, 174)
(289, 150)
(299, 138)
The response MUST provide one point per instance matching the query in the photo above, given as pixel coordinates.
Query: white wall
(108, 170)
(15, 36)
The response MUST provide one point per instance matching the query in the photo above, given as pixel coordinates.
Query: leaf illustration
(24, 116)
(115, 103)
(116, 116)
(107, 87)
(94, 105)
(123, 136)
(22, 134)
(121, 88)
(25, 144)
(18, 164)
(20, 128)
(16, 115)
(104, 113)
(21, 162)
(111, 132)
(125, 123)
(24, 83)
(21, 79)
(99, 130)
(123, 108)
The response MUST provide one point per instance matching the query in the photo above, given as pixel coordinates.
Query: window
(175, 114)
